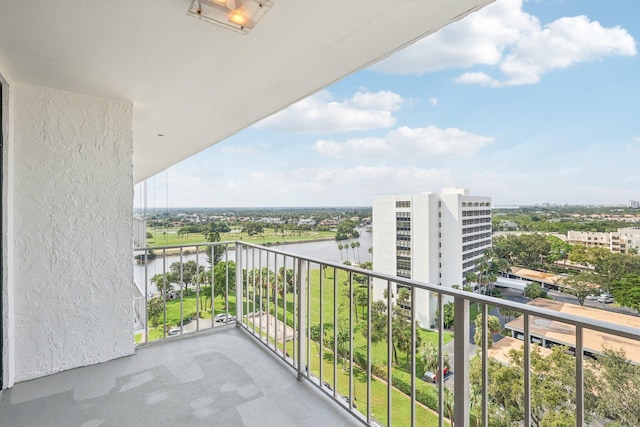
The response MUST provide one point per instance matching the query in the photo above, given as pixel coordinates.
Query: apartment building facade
(429, 237)
(620, 241)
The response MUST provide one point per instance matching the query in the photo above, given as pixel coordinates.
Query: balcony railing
(320, 318)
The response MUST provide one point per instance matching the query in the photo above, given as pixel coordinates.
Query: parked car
(174, 331)
(433, 378)
(591, 297)
(224, 317)
(605, 299)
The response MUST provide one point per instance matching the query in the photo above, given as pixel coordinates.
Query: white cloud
(561, 44)
(636, 139)
(319, 113)
(477, 78)
(407, 143)
(327, 186)
(479, 38)
(433, 101)
(504, 36)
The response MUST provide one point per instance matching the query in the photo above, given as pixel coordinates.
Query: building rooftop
(564, 334)
(500, 349)
(219, 378)
(537, 276)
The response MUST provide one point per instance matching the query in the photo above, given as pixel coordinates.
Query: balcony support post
(301, 289)
(239, 284)
(461, 361)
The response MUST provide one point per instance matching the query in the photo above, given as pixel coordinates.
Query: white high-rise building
(429, 237)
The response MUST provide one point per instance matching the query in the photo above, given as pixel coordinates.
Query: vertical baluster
(413, 356)
(285, 284)
(441, 411)
(146, 288)
(239, 283)
(527, 372)
(579, 376)
(389, 352)
(259, 311)
(181, 293)
(485, 365)
(321, 333)
(197, 290)
(302, 304)
(351, 305)
(335, 331)
(369, 288)
(269, 284)
(461, 361)
(164, 292)
(275, 299)
(294, 317)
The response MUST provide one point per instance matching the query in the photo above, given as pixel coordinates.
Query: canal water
(326, 250)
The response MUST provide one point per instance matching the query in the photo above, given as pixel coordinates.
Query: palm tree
(353, 249)
(429, 356)
(358, 247)
(340, 247)
(448, 404)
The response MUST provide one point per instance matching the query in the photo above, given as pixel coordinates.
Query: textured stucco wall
(73, 199)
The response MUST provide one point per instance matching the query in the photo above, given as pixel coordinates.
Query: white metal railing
(290, 304)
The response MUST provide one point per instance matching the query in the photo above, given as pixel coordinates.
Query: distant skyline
(527, 102)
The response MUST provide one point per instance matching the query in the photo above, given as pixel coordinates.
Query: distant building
(616, 241)
(307, 221)
(633, 204)
(429, 237)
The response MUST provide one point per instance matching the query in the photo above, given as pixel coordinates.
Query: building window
(403, 204)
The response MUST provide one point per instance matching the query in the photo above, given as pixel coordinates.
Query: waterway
(326, 250)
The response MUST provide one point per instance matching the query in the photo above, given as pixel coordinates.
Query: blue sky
(527, 102)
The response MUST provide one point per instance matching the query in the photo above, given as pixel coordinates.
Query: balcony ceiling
(196, 83)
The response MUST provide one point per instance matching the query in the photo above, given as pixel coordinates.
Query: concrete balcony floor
(213, 378)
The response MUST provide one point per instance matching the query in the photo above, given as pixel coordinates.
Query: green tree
(533, 290)
(429, 356)
(159, 281)
(155, 307)
(314, 331)
(493, 327)
(361, 299)
(581, 285)
(627, 291)
(552, 380)
(617, 391)
(220, 279)
(190, 270)
(449, 311)
(214, 253)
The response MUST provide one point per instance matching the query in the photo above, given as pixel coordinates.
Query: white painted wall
(72, 203)
(6, 293)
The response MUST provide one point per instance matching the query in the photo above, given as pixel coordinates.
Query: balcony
(297, 343)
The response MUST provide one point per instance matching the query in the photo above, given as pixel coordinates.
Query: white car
(605, 299)
(223, 317)
(591, 297)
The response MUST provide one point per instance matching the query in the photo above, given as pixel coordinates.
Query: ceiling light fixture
(237, 15)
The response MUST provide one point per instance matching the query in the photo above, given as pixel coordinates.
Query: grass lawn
(400, 403)
(169, 237)
(189, 313)
(379, 349)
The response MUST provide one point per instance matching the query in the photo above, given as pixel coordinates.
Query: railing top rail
(185, 245)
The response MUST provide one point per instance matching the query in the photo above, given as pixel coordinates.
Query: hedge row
(425, 393)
